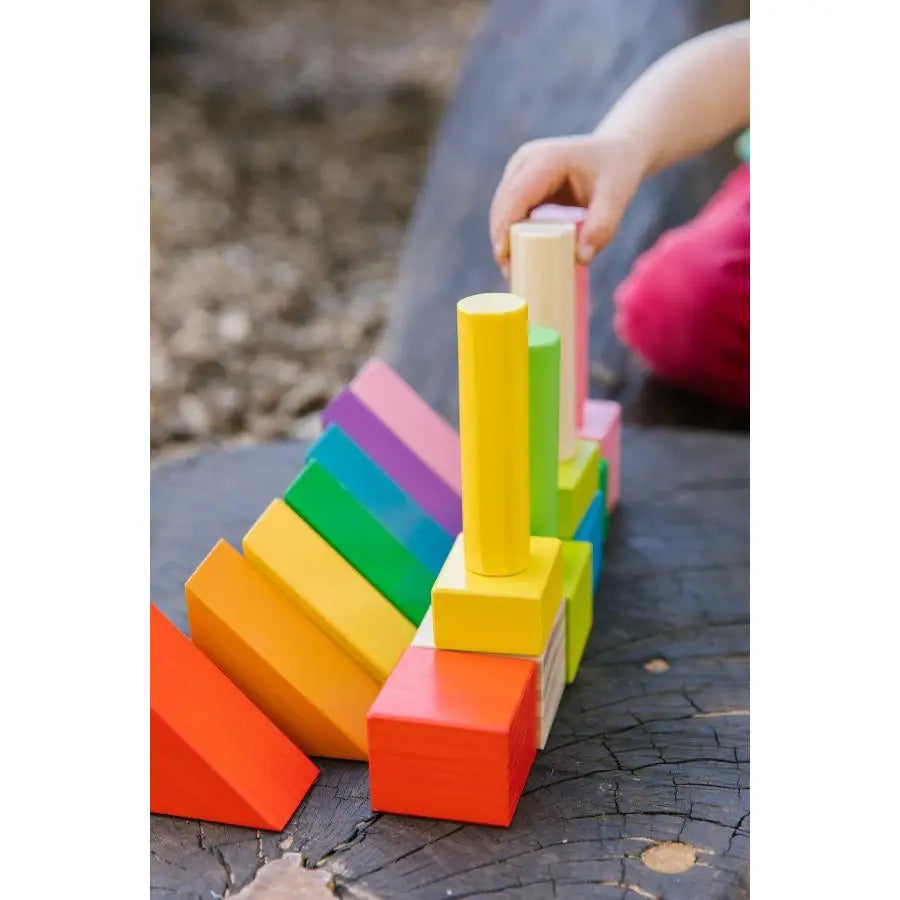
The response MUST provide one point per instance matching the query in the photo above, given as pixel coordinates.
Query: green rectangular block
(328, 507)
(577, 483)
(604, 478)
(577, 581)
(543, 428)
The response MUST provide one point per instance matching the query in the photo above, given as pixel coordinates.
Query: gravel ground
(288, 142)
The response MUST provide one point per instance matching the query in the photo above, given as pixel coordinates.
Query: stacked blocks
(596, 420)
(551, 669)
(484, 550)
(213, 754)
(452, 736)
(512, 614)
(497, 606)
(542, 273)
(334, 578)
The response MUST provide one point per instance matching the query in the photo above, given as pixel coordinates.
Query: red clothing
(685, 306)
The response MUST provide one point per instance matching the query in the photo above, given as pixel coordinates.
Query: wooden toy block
(328, 589)
(578, 480)
(213, 754)
(604, 487)
(542, 271)
(320, 499)
(301, 679)
(551, 668)
(512, 615)
(387, 502)
(591, 530)
(452, 736)
(603, 423)
(493, 415)
(577, 589)
(551, 212)
(397, 460)
(425, 432)
(543, 428)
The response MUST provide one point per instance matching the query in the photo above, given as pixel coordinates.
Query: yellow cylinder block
(542, 272)
(493, 430)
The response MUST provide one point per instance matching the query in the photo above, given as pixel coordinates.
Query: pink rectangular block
(603, 423)
(402, 410)
(550, 212)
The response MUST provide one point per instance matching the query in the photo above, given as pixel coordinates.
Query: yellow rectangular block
(578, 591)
(329, 590)
(578, 480)
(512, 614)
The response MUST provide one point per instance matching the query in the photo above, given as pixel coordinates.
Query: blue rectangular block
(591, 530)
(382, 497)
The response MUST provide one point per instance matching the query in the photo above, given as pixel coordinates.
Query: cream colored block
(542, 273)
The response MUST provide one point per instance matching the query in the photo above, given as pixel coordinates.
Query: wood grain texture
(651, 743)
(539, 68)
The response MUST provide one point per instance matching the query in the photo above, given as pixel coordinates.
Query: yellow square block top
(511, 614)
(329, 590)
(577, 479)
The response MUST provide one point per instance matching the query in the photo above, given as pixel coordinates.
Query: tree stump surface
(642, 791)
(643, 788)
(540, 68)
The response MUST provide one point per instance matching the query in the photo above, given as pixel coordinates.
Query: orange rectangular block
(213, 754)
(306, 568)
(279, 657)
(452, 736)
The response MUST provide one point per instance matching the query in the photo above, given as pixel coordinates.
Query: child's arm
(686, 102)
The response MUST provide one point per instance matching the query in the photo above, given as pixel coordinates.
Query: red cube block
(452, 736)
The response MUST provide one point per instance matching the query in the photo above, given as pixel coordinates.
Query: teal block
(591, 530)
(385, 501)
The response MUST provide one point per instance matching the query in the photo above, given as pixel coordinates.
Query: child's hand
(592, 171)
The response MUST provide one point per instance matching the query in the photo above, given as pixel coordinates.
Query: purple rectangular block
(427, 488)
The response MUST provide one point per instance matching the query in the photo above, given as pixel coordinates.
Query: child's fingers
(612, 193)
(526, 187)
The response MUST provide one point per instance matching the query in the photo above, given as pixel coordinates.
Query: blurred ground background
(288, 142)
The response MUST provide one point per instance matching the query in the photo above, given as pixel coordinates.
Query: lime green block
(543, 428)
(323, 502)
(604, 478)
(576, 563)
(577, 480)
